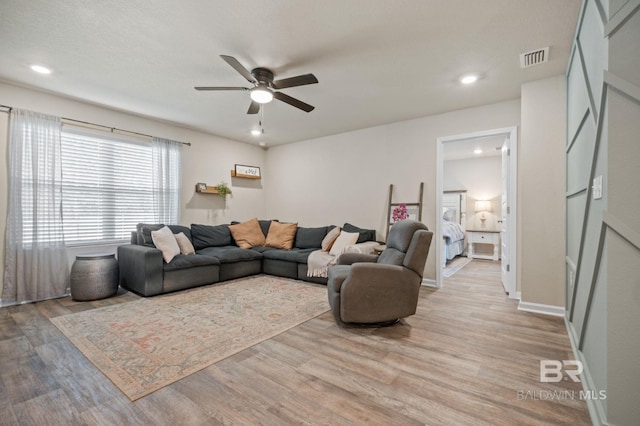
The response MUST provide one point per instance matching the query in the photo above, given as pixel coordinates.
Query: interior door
(504, 236)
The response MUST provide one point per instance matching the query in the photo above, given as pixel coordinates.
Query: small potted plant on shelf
(223, 189)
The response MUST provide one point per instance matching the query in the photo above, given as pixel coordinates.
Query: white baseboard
(539, 308)
(517, 296)
(429, 283)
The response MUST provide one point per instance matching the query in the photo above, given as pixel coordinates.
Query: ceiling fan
(264, 89)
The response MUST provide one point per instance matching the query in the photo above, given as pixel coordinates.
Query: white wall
(345, 177)
(482, 178)
(541, 192)
(209, 159)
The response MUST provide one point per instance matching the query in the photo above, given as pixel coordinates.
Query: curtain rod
(112, 129)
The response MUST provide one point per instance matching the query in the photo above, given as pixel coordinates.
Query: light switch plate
(597, 187)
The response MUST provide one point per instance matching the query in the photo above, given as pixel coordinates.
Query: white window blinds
(107, 187)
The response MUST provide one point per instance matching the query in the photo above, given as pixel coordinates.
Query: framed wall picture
(202, 186)
(241, 169)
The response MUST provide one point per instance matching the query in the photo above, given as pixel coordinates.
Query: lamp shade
(483, 206)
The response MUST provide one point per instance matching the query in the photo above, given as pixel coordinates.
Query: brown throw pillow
(247, 234)
(281, 235)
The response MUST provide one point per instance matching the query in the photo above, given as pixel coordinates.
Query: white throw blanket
(319, 261)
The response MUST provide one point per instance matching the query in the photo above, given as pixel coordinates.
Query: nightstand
(483, 237)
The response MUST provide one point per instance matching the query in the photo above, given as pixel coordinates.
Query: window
(108, 186)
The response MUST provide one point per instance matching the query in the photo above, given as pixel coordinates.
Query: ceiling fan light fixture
(256, 132)
(468, 79)
(261, 94)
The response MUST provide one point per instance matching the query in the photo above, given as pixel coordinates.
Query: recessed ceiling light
(40, 69)
(477, 151)
(256, 132)
(469, 79)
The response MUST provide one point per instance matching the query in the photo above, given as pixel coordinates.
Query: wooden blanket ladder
(410, 206)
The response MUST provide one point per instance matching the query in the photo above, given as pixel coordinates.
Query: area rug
(455, 265)
(144, 345)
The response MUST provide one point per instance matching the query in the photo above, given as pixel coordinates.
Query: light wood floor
(468, 357)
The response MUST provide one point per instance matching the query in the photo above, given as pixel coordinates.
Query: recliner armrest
(141, 269)
(367, 290)
(351, 258)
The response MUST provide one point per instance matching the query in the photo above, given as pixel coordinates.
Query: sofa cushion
(281, 235)
(165, 241)
(144, 233)
(176, 229)
(310, 237)
(293, 255)
(210, 236)
(248, 234)
(230, 254)
(365, 234)
(183, 261)
(262, 249)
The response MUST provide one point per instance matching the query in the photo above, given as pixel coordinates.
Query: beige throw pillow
(344, 239)
(330, 238)
(185, 245)
(248, 234)
(281, 235)
(166, 243)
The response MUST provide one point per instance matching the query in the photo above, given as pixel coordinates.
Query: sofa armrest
(351, 258)
(141, 269)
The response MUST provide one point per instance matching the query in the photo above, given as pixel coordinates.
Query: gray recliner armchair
(379, 290)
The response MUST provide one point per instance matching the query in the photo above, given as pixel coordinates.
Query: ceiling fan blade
(238, 67)
(293, 101)
(254, 108)
(300, 80)
(219, 88)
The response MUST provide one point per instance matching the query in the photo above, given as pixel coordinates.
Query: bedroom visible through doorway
(476, 182)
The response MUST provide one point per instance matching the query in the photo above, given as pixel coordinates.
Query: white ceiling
(464, 149)
(377, 61)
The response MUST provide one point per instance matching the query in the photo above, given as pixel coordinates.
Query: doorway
(507, 147)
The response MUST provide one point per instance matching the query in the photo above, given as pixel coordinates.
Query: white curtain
(36, 265)
(167, 179)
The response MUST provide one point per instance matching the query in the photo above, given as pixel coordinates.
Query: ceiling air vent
(534, 57)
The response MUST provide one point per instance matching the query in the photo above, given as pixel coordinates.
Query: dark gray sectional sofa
(217, 258)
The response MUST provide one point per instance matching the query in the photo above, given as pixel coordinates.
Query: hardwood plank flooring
(468, 357)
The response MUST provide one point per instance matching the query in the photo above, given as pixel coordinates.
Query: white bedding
(453, 239)
(452, 231)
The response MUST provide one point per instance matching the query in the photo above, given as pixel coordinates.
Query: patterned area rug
(455, 265)
(144, 345)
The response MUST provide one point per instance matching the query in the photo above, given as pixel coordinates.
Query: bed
(453, 224)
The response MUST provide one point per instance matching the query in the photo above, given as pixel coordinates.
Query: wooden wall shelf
(234, 174)
(209, 190)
